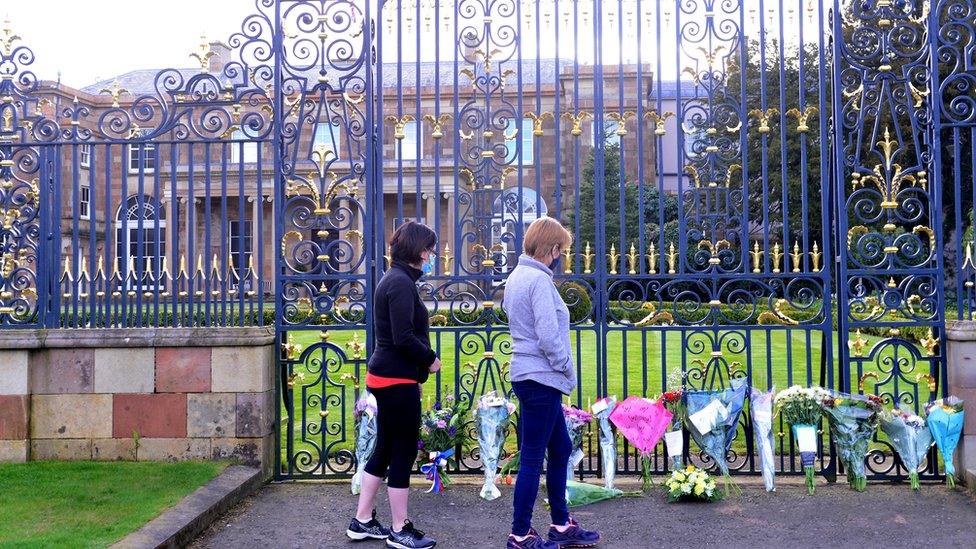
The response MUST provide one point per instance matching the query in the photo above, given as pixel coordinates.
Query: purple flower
(441, 424)
(452, 431)
(420, 445)
(437, 405)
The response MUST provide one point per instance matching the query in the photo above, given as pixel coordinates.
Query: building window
(240, 246)
(609, 133)
(250, 148)
(327, 137)
(84, 155)
(142, 156)
(412, 143)
(695, 143)
(84, 202)
(525, 138)
(141, 236)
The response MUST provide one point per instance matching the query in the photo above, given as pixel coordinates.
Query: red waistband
(379, 382)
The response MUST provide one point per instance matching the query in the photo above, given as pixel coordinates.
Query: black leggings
(398, 426)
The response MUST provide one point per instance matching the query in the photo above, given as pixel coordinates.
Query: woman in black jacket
(401, 360)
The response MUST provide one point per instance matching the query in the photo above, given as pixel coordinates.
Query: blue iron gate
(779, 190)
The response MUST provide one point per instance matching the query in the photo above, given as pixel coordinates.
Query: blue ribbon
(432, 471)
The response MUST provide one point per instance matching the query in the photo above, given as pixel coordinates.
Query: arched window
(141, 238)
(508, 212)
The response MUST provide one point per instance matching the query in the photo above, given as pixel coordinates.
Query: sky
(89, 40)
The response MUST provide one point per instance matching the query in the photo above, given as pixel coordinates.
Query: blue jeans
(541, 428)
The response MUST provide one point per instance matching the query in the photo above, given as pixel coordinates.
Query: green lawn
(87, 504)
(638, 363)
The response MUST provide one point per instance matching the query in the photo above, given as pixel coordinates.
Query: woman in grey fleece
(542, 372)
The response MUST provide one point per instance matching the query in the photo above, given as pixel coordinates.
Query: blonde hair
(543, 234)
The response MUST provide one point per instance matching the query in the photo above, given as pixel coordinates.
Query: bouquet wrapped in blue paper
(365, 419)
(853, 421)
(712, 420)
(576, 422)
(761, 406)
(602, 409)
(945, 418)
(910, 437)
(493, 417)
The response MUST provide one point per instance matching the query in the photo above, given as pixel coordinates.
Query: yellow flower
(690, 469)
(699, 488)
(678, 476)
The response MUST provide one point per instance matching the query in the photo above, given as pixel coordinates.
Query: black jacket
(401, 327)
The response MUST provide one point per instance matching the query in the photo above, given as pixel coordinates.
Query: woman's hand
(435, 366)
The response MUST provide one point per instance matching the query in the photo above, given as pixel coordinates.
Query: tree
(634, 194)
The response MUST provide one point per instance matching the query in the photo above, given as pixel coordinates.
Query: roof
(407, 74)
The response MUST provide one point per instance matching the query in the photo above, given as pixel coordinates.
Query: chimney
(222, 56)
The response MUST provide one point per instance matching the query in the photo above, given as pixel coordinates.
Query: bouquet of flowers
(761, 406)
(608, 441)
(576, 422)
(712, 419)
(853, 421)
(365, 420)
(642, 422)
(493, 415)
(945, 418)
(690, 484)
(440, 433)
(910, 437)
(674, 437)
(800, 408)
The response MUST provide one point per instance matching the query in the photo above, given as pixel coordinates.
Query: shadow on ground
(886, 515)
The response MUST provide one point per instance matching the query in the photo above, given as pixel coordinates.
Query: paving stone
(13, 417)
(151, 416)
(183, 369)
(242, 369)
(211, 415)
(173, 449)
(255, 414)
(71, 416)
(60, 371)
(124, 370)
(13, 373)
(72, 449)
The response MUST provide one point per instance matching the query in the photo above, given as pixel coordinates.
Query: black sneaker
(574, 536)
(409, 538)
(359, 531)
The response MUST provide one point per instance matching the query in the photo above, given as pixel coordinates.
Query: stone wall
(146, 394)
(961, 356)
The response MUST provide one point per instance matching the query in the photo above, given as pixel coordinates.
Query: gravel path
(886, 515)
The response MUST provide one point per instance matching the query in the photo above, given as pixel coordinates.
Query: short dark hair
(410, 240)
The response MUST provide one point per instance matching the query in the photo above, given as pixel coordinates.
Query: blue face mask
(554, 265)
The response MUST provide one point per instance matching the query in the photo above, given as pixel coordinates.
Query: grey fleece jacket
(539, 322)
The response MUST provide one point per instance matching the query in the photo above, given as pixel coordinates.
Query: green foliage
(577, 299)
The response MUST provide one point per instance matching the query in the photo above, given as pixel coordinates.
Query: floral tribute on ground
(364, 415)
(853, 421)
(440, 434)
(800, 408)
(642, 422)
(911, 438)
(945, 419)
(692, 484)
(712, 420)
(494, 413)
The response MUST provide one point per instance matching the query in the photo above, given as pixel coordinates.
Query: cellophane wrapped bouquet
(911, 438)
(853, 421)
(601, 410)
(493, 413)
(674, 439)
(945, 419)
(713, 418)
(800, 409)
(761, 407)
(576, 422)
(642, 422)
(691, 484)
(364, 415)
(441, 431)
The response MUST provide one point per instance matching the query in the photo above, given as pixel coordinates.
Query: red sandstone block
(60, 371)
(183, 369)
(151, 415)
(13, 417)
